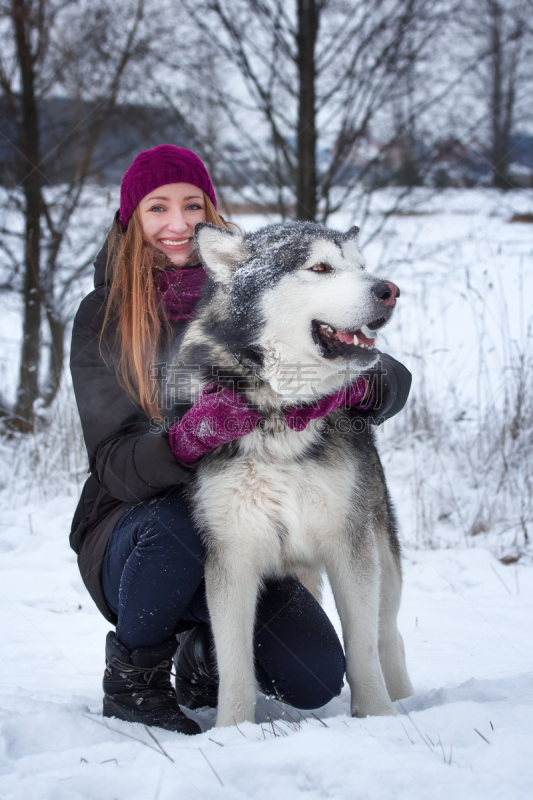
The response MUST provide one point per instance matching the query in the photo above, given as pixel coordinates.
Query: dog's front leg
(231, 589)
(355, 581)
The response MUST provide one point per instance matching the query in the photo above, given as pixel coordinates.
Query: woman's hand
(360, 393)
(218, 416)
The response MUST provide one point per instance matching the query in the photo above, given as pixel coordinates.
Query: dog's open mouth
(333, 342)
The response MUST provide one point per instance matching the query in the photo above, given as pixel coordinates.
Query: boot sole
(182, 724)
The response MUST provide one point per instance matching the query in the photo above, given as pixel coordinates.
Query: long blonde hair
(133, 309)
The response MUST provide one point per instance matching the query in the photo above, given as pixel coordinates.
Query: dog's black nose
(386, 292)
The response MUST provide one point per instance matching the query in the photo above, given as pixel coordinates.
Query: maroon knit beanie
(163, 164)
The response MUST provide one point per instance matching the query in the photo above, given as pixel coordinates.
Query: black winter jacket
(128, 462)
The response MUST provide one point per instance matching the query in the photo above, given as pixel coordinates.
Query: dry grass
(471, 478)
(48, 463)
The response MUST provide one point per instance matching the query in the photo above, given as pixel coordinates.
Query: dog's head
(298, 294)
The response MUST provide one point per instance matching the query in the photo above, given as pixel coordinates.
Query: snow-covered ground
(461, 480)
(467, 732)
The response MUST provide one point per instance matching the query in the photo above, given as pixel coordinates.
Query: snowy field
(467, 732)
(459, 466)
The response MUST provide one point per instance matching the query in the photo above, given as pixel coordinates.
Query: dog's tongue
(353, 338)
(362, 339)
(345, 337)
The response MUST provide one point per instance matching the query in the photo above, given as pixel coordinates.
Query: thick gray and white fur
(278, 502)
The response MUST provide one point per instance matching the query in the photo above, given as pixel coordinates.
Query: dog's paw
(230, 720)
(233, 713)
(402, 692)
(381, 710)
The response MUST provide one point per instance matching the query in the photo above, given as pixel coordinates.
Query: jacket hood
(100, 262)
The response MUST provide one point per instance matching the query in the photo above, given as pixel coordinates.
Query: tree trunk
(499, 127)
(28, 389)
(306, 188)
(57, 356)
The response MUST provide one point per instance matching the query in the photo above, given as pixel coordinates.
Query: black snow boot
(138, 689)
(196, 669)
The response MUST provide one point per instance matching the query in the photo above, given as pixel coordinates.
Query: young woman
(139, 553)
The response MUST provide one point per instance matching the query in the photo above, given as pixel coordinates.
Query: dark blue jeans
(153, 580)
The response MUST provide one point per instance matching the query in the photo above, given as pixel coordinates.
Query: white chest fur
(279, 509)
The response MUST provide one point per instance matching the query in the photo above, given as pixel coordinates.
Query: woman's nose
(177, 223)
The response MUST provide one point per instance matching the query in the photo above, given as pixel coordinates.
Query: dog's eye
(320, 268)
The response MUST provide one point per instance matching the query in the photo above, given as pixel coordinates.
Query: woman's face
(168, 217)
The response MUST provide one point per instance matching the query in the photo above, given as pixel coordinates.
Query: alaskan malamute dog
(287, 307)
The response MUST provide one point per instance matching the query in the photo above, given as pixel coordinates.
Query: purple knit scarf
(180, 291)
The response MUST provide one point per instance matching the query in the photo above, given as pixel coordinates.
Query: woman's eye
(157, 208)
(320, 268)
(193, 207)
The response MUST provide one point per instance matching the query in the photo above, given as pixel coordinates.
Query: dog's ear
(352, 233)
(349, 247)
(220, 250)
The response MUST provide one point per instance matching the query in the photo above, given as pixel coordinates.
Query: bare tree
(500, 37)
(308, 12)
(510, 49)
(88, 53)
(315, 75)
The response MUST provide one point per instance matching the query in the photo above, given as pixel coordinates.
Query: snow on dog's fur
(286, 304)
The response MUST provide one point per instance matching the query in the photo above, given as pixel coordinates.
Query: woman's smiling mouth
(175, 242)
